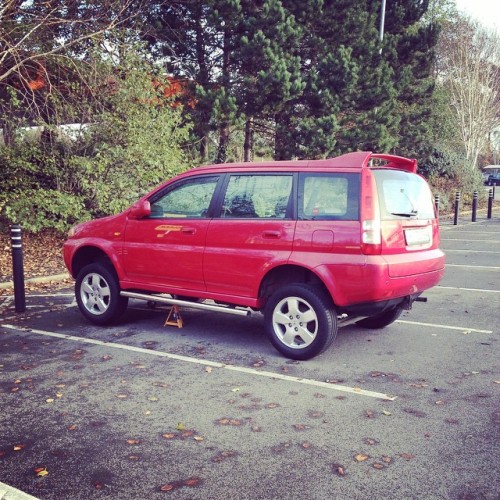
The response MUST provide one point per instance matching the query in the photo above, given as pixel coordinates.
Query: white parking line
(214, 364)
(445, 327)
(447, 250)
(470, 240)
(477, 232)
(468, 289)
(494, 268)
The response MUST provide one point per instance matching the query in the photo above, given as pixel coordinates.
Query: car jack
(174, 317)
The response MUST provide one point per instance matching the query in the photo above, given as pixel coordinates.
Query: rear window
(403, 195)
(329, 196)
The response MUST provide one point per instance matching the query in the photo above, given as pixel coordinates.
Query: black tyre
(381, 320)
(98, 294)
(300, 321)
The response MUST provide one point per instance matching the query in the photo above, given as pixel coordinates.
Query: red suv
(312, 244)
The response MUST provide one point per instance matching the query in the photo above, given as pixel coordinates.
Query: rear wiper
(413, 213)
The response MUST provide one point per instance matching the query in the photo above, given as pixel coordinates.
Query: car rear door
(253, 232)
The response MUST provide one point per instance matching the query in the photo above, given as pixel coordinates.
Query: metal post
(457, 207)
(490, 203)
(436, 204)
(474, 206)
(18, 268)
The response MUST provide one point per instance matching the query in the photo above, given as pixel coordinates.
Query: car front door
(166, 248)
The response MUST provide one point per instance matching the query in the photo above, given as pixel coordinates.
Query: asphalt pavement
(142, 410)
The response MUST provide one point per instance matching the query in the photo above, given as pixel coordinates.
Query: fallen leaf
(208, 369)
(192, 481)
(41, 472)
(133, 441)
(376, 465)
(386, 413)
(72, 427)
(168, 435)
(49, 400)
(361, 457)
(198, 438)
(180, 426)
(339, 469)
(406, 456)
(167, 487)
(19, 447)
(153, 398)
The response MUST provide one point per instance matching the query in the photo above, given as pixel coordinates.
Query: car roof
(351, 161)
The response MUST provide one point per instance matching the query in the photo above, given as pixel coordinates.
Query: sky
(487, 12)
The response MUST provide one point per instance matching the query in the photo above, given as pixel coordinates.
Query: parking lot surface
(208, 411)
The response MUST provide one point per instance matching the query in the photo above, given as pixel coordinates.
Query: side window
(257, 196)
(190, 199)
(329, 196)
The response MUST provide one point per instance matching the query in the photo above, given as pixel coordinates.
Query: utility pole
(382, 24)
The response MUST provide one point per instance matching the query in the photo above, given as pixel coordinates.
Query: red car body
(361, 227)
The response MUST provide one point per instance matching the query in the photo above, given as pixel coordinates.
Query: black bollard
(474, 206)
(18, 268)
(457, 207)
(490, 203)
(436, 204)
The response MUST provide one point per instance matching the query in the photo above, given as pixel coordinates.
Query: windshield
(403, 195)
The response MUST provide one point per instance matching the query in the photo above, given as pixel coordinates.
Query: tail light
(371, 231)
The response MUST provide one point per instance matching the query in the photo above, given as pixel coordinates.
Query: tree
(133, 140)
(43, 49)
(360, 93)
(469, 69)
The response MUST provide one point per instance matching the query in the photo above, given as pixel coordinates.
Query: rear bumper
(372, 282)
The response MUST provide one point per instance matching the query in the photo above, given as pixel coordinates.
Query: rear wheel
(381, 320)
(98, 294)
(300, 321)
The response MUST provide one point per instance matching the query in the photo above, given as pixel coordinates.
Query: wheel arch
(87, 255)
(287, 274)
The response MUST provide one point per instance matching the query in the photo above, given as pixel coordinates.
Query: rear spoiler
(398, 162)
(363, 159)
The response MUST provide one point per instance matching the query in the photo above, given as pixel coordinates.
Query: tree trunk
(223, 143)
(281, 146)
(248, 146)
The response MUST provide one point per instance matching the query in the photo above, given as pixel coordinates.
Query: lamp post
(382, 24)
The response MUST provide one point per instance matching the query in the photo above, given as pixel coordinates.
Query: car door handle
(188, 230)
(271, 234)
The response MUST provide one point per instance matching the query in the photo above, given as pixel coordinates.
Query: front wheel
(300, 321)
(97, 294)
(381, 320)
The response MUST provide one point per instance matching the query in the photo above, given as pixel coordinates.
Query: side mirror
(140, 210)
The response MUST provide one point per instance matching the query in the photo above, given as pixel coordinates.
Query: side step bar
(186, 303)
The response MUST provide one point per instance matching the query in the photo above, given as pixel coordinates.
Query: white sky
(487, 12)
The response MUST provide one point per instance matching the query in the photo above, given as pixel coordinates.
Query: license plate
(420, 236)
